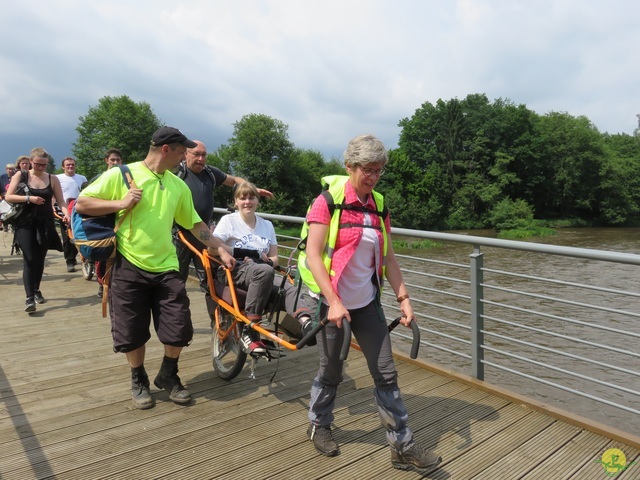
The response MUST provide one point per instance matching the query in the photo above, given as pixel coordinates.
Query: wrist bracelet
(402, 298)
(27, 198)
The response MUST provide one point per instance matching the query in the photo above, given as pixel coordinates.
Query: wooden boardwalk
(66, 413)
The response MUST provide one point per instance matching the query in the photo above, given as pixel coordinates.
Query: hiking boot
(39, 298)
(414, 457)
(71, 267)
(251, 342)
(30, 305)
(168, 380)
(140, 393)
(323, 440)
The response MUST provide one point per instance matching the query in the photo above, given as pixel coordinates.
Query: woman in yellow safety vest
(348, 254)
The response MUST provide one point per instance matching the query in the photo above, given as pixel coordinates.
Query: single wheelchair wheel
(88, 269)
(228, 356)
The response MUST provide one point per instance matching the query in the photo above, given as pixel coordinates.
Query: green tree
(619, 190)
(410, 194)
(115, 122)
(574, 152)
(261, 152)
(51, 168)
(473, 152)
(259, 149)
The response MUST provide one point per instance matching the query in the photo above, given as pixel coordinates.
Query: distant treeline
(460, 164)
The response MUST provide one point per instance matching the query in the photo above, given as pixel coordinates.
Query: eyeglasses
(198, 154)
(371, 171)
(40, 164)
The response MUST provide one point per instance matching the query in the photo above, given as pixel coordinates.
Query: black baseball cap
(166, 135)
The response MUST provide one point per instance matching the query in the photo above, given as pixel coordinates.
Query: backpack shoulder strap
(127, 178)
(211, 175)
(128, 181)
(330, 203)
(182, 171)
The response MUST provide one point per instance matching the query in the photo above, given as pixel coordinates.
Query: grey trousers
(369, 327)
(261, 284)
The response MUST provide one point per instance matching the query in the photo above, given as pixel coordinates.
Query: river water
(601, 274)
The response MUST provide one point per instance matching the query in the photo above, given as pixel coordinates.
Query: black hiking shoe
(39, 298)
(140, 393)
(30, 305)
(323, 440)
(168, 380)
(414, 457)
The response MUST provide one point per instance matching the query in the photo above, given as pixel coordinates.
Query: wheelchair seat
(224, 292)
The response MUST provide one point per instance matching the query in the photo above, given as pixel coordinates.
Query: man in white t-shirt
(71, 183)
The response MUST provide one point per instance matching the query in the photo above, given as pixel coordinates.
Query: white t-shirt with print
(234, 232)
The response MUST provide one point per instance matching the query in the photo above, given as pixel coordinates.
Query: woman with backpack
(35, 230)
(349, 254)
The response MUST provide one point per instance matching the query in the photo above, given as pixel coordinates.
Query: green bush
(511, 215)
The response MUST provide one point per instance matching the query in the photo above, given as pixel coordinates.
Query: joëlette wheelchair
(225, 305)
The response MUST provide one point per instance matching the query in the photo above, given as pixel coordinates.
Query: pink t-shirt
(358, 253)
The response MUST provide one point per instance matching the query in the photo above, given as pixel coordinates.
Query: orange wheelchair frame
(228, 319)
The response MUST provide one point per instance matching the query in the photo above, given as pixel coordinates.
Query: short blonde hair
(364, 149)
(38, 152)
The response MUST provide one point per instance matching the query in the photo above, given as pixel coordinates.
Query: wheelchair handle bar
(346, 342)
(415, 346)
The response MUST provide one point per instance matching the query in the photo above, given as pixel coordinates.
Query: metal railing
(537, 319)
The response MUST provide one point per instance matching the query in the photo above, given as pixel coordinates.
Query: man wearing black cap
(145, 279)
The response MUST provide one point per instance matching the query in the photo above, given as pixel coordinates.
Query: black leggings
(33, 255)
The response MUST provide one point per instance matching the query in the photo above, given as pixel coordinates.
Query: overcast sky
(329, 69)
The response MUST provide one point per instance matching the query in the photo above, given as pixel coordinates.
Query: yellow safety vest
(334, 195)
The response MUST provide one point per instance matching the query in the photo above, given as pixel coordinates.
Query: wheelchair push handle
(415, 345)
(304, 340)
(346, 342)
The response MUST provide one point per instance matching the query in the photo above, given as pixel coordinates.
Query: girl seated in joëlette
(255, 238)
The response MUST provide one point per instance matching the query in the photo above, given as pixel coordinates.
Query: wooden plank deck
(65, 409)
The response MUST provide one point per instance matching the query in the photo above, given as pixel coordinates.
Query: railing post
(477, 312)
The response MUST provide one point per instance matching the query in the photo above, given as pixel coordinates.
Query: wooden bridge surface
(66, 413)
